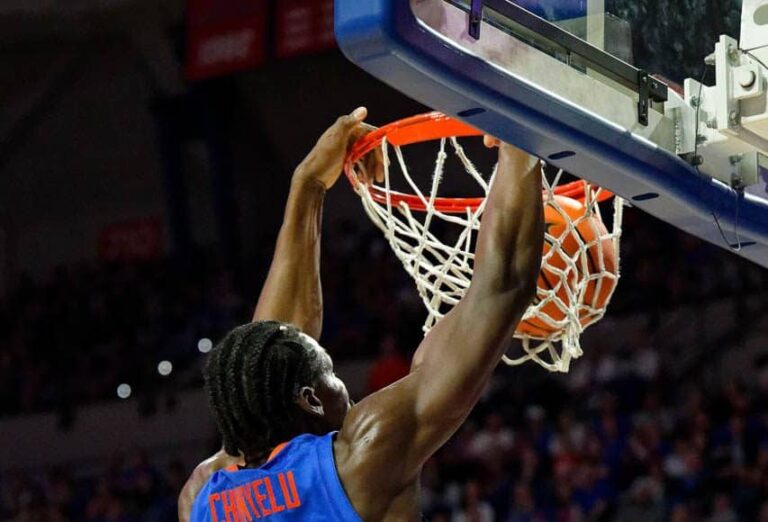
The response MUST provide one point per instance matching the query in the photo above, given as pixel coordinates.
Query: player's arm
(456, 359)
(388, 436)
(292, 292)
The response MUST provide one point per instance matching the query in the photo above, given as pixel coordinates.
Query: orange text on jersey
(256, 499)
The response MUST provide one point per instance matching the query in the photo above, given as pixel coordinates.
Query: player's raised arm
(457, 357)
(393, 432)
(292, 292)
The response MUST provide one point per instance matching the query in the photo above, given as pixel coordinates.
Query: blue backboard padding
(384, 38)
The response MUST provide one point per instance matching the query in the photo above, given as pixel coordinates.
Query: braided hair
(253, 378)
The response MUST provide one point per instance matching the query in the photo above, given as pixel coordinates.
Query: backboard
(571, 82)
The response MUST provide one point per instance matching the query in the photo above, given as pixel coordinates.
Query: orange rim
(428, 127)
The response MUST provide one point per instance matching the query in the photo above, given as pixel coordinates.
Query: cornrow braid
(252, 378)
(216, 397)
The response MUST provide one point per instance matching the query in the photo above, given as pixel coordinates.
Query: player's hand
(491, 141)
(526, 161)
(326, 160)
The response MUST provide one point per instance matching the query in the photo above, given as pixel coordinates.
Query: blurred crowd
(107, 324)
(128, 489)
(113, 323)
(625, 445)
(663, 267)
(637, 448)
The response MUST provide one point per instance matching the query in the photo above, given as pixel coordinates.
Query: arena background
(140, 195)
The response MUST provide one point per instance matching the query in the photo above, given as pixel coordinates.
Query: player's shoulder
(220, 461)
(199, 480)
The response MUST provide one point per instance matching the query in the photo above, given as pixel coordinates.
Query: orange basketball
(602, 268)
(559, 269)
(562, 268)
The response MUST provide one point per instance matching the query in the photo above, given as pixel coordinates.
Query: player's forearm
(508, 254)
(456, 358)
(292, 291)
(507, 261)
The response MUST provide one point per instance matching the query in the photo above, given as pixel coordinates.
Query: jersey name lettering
(257, 499)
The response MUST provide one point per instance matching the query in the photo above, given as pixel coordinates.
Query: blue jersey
(298, 483)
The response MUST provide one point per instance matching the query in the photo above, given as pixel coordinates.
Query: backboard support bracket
(644, 95)
(475, 18)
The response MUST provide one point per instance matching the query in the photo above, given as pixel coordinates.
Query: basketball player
(295, 448)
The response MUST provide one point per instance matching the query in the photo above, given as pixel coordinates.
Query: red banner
(134, 240)
(303, 27)
(224, 36)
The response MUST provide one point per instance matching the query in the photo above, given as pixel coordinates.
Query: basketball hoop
(580, 259)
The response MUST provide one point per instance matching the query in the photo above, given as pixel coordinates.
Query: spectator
(389, 367)
(642, 503)
(592, 491)
(644, 357)
(493, 442)
(680, 513)
(473, 508)
(763, 512)
(722, 510)
(564, 509)
(523, 508)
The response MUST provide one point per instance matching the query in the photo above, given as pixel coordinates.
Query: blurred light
(165, 368)
(124, 391)
(204, 345)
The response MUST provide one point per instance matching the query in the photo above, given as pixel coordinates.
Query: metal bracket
(644, 92)
(475, 18)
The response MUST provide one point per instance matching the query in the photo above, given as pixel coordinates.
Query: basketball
(557, 280)
(602, 269)
(562, 268)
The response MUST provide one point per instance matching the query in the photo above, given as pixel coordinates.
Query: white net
(579, 266)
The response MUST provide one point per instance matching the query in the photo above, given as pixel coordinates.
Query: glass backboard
(665, 37)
